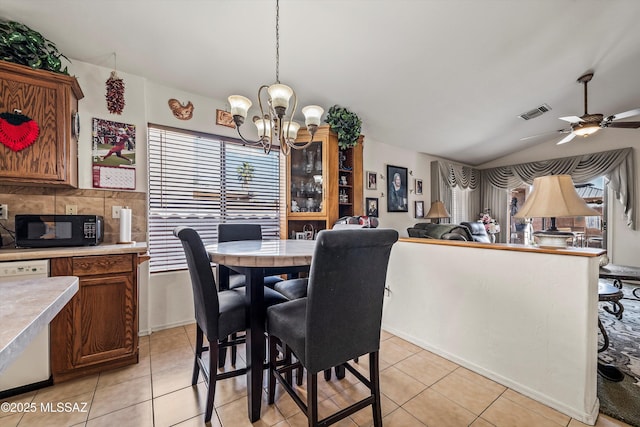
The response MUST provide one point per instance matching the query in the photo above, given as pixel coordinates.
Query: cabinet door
(307, 171)
(49, 99)
(104, 319)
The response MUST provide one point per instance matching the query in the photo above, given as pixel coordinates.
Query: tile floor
(418, 389)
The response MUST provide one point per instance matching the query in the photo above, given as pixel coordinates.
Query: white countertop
(47, 253)
(26, 308)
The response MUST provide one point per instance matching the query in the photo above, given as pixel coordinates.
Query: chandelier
(274, 124)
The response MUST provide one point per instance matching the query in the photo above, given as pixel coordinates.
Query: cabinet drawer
(107, 264)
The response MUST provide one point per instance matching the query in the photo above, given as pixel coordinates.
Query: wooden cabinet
(323, 183)
(98, 329)
(51, 100)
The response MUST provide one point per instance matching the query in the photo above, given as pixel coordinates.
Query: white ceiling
(443, 77)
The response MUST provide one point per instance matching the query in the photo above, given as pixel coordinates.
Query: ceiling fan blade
(624, 115)
(571, 119)
(625, 125)
(553, 132)
(566, 138)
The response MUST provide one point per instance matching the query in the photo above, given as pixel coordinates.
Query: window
(460, 205)
(201, 180)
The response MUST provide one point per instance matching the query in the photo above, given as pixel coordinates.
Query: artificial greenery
(22, 45)
(346, 124)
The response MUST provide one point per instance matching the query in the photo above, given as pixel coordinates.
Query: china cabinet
(51, 100)
(323, 184)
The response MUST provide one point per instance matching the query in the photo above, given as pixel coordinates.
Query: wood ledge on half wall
(573, 251)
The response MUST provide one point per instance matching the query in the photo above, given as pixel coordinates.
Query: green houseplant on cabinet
(22, 45)
(346, 124)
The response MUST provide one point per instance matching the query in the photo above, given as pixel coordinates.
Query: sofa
(428, 230)
(478, 231)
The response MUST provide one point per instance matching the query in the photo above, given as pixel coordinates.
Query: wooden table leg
(255, 340)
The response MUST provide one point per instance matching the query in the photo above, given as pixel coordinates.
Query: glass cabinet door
(306, 179)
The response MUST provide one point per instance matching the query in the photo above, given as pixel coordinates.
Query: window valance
(617, 166)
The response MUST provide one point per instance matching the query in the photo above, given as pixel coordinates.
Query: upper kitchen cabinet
(51, 100)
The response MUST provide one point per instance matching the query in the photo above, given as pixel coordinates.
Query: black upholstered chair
(238, 232)
(339, 320)
(219, 314)
(478, 232)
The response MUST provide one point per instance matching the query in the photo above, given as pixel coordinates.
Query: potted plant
(346, 124)
(22, 45)
(245, 173)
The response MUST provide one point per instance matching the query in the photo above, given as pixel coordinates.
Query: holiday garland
(115, 94)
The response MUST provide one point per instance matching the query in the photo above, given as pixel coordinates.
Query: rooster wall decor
(182, 112)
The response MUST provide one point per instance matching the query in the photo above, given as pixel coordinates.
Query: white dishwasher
(31, 370)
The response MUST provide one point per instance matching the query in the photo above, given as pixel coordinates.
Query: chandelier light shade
(275, 123)
(554, 196)
(437, 211)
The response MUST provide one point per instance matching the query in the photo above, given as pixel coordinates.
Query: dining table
(257, 259)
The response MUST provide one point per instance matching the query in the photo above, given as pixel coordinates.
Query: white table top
(262, 253)
(27, 307)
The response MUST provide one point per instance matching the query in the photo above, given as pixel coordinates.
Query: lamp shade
(312, 115)
(437, 210)
(239, 105)
(554, 196)
(280, 95)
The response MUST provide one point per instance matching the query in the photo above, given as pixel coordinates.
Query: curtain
(490, 187)
(617, 166)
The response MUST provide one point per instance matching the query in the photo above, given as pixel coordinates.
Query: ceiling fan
(588, 124)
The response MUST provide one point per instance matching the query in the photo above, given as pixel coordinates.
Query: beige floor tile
(433, 409)
(438, 360)
(285, 403)
(506, 413)
(179, 406)
(172, 379)
(168, 342)
(405, 344)
(423, 369)
(198, 421)
(602, 421)
(363, 417)
(121, 395)
(392, 353)
(400, 418)
(234, 414)
(384, 335)
(63, 391)
(167, 332)
(138, 415)
(325, 408)
(541, 409)
(172, 358)
(480, 422)
(16, 403)
(480, 380)
(140, 369)
(474, 396)
(398, 386)
(10, 419)
(55, 415)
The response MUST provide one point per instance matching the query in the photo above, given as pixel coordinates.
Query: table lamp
(437, 211)
(554, 196)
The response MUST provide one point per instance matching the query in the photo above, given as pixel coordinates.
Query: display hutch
(323, 184)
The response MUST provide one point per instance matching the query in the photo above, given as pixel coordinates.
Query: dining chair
(230, 232)
(339, 320)
(219, 314)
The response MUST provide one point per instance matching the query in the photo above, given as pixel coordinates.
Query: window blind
(201, 180)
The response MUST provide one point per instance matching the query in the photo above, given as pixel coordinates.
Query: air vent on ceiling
(538, 111)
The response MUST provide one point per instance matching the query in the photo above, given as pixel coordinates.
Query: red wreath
(17, 131)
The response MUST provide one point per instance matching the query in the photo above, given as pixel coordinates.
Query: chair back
(345, 294)
(478, 232)
(205, 293)
(236, 232)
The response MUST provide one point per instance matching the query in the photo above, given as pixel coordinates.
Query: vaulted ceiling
(443, 77)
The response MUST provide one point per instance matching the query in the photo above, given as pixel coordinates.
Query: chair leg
(327, 374)
(211, 391)
(198, 355)
(312, 399)
(234, 350)
(222, 354)
(271, 381)
(287, 360)
(374, 375)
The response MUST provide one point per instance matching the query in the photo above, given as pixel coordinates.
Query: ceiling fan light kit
(588, 124)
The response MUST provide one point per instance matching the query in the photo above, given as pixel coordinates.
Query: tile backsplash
(39, 200)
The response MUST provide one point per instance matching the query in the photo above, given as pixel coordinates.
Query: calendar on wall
(120, 178)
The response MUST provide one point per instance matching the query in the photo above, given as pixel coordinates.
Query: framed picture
(224, 118)
(418, 188)
(397, 189)
(372, 206)
(419, 208)
(372, 180)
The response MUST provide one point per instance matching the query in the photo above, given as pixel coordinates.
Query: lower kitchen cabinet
(98, 329)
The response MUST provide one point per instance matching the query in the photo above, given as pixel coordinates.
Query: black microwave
(48, 231)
